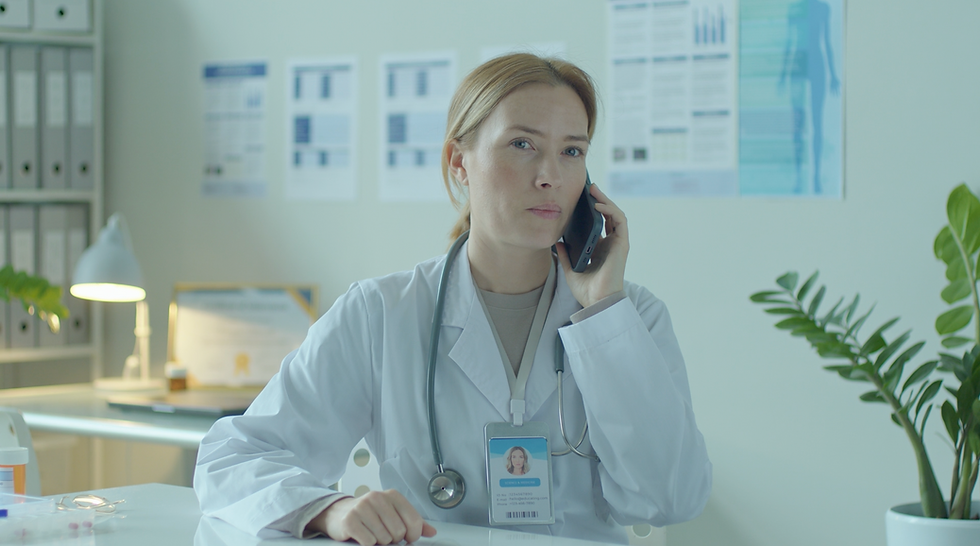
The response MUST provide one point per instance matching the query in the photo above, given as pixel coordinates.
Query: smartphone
(583, 230)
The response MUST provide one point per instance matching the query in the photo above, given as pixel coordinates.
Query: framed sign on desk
(237, 335)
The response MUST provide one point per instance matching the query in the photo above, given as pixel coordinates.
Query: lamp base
(120, 385)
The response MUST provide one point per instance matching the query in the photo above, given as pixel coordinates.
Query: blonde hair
(485, 87)
(527, 459)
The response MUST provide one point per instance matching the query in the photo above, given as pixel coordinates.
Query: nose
(549, 173)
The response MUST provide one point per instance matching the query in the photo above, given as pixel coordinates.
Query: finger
(413, 522)
(566, 264)
(382, 519)
(428, 530)
(357, 531)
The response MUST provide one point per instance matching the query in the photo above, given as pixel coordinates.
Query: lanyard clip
(517, 411)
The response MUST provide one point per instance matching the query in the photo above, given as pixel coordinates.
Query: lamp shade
(108, 270)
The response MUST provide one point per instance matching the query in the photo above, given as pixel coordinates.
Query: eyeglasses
(88, 501)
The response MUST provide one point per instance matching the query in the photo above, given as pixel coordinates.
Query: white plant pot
(906, 526)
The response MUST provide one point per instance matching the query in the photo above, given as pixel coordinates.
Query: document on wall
(415, 91)
(321, 104)
(234, 129)
(673, 119)
(790, 101)
(238, 335)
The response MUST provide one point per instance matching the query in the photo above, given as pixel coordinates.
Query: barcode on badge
(522, 515)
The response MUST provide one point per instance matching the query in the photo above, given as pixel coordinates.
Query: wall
(798, 459)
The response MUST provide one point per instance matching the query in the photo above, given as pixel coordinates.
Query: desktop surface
(168, 515)
(79, 409)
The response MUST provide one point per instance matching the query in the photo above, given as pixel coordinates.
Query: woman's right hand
(377, 517)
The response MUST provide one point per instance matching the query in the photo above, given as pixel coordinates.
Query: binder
(23, 229)
(4, 260)
(81, 134)
(23, 114)
(62, 15)
(15, 14)
(77, 325)
(54, 117)
(4, 126)
(53, 252)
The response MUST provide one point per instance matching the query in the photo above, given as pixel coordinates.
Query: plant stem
(931, 497)
(961, 506)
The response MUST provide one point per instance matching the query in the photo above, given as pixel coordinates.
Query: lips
(548, 212)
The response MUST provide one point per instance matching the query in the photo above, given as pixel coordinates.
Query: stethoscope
(446, 487)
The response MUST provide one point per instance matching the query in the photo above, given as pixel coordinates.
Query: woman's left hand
(605, 273)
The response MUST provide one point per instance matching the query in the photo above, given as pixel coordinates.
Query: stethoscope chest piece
(446, 488)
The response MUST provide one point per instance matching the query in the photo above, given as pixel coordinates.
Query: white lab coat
(361, 372)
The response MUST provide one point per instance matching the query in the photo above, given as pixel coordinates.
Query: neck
(511, 272)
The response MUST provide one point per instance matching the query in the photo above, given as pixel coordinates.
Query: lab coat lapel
(543, 382)
(475, 351)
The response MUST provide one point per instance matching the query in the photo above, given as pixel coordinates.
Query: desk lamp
(108, 271)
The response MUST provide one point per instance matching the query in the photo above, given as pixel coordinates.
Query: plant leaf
(953, 342)
(952, 421)
(793, 323)
(928, 394)
(784, 311)
(957, 290)
(945, 247)
(829, 317)
(806, 286)
(815, 302)
(954, 320)
(788, 281)
(852, 308)
(919, 374)
(925, 419)
(963, 211)
(895, 420)
(892, 347)
(767, 296)
(872, 396)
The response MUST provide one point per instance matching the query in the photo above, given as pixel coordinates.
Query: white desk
(76, 409)
(168, 515)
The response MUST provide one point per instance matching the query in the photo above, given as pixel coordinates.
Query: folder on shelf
(4, 260)
(4, 125)
(22, 233)
(15, 14)
(53, 252)
(77, 325)
(23, 117)
(54, 117)
(81, 133)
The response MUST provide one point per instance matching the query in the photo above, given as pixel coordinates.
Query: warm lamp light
(108, 271)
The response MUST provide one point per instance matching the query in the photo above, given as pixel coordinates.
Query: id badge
(519, 474)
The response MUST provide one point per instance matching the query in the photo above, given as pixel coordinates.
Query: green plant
(834, 334)
(35, 293)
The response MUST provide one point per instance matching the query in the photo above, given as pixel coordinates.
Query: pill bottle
(13, 470)
(176, 376)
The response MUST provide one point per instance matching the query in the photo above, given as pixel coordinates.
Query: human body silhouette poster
(707, 103)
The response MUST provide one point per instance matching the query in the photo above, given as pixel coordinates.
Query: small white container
(13, 470)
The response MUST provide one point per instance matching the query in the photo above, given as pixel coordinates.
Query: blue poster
(790, 98)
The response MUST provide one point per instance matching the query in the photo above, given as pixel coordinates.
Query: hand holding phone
(583, 230)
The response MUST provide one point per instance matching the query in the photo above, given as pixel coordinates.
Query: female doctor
(518, 134)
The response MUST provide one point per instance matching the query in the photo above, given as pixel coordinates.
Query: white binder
(54, 117)
(62, 15)
(4, 260)
(23, 116)
(81, 135)
(22, 230)
(52, 256)
(4, 126)
(16, 14)
(77, 325)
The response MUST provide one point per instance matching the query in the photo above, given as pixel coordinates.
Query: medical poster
(672, 113)
(415, 91)
(234, 129)
(790, 103)
(321, 117)
(237, 335)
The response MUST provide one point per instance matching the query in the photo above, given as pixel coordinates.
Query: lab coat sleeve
(295, 439)
(628, 366)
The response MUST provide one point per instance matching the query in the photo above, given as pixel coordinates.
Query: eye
(521, 144)
(574, 151)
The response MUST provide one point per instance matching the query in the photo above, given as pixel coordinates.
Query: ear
(454, 158)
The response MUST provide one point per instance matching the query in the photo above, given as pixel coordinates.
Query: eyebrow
(526, 129)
